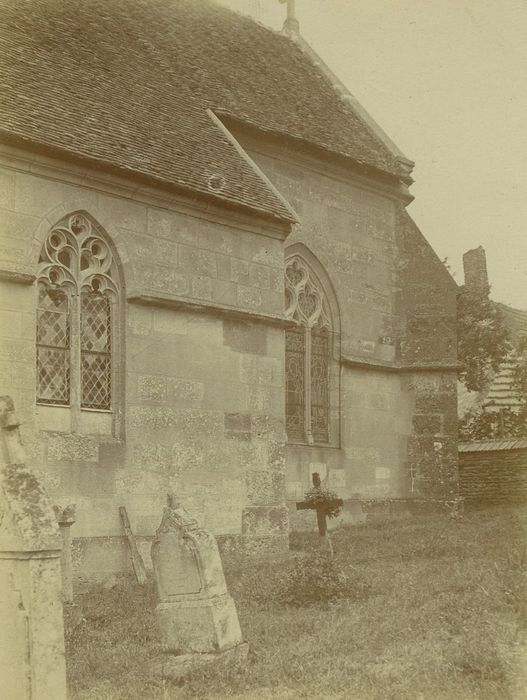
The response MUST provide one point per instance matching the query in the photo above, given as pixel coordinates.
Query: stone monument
(32, 663)
(196, 615)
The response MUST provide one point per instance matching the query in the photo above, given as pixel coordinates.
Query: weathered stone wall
(493, 476)
(201, 411)
(397, 305)
(425, 297)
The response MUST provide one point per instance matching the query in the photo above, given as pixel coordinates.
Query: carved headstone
(195, 612)
(32, 664)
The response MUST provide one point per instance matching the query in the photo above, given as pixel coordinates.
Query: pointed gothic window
(78, 294)
(307, 355)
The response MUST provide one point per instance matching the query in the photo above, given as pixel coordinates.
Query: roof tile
(128, 83)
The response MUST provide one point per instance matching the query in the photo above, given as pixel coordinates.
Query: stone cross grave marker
(196, 616)
(32, 663)
(322, 506)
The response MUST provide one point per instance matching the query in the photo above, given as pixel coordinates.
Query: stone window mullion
(75, 370)
(307, 386)
(308, 356)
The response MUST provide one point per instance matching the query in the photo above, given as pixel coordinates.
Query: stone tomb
(32, 663)
(195, 613)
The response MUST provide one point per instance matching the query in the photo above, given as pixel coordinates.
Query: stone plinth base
(199, 625)
(176, 668)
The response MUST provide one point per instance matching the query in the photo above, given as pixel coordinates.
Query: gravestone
(196, 615)
(32, 663)
(323, 507)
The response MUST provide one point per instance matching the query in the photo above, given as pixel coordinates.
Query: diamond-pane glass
(96, 376)
(53, 347)
(319, 385)
(294, 367)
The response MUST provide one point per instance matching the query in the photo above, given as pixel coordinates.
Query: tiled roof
(515, 320)
(128, 83)
(492, 445)
(502, 393)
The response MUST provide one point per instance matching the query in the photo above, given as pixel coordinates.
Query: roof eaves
(363, 168)
(49, 149)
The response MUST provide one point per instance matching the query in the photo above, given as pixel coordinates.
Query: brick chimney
(475, 271)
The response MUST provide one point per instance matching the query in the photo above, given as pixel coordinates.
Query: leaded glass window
(295, 350)
(78, 296)
(319, 384)
(53, 346)
(307, 355)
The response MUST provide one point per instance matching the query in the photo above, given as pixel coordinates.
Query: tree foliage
(482, 338)
(480, 425)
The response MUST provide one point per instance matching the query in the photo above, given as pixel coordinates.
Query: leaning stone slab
(195, 613)
(32, 663)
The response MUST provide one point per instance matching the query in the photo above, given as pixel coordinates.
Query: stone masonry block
(220, 239)
(197, 261)
(225, 293)
(237, 425)
(87, 480)
(245, 337)
(259, 487)
(183, 390)
(140, 320)
(112, 455)
(151, 387)
(171, 226)
(17, 350)
(239, 271)
(259, 276)
(170, 322)
(7, 190)
(163, 279)
(201, 287)
(249, 297)
(258, 399)
(72, 448)
(261, 370)
(147, 250)
(123, 213)
(427, 423)
(151, 456)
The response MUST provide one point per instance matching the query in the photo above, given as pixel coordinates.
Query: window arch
(308, 351)
(78, 299)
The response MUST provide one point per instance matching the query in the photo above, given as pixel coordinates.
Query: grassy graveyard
(429, 608)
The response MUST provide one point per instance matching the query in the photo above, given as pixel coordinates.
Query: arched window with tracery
(308, 355)
(78, 299)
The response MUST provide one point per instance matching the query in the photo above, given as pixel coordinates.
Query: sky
(447, 81)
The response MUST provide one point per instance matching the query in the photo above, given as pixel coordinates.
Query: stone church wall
(397, 311)
(201, 411)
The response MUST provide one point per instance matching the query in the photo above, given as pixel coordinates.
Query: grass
(425, 609)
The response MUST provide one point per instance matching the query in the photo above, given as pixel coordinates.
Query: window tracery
(307, 355)
(78, 291)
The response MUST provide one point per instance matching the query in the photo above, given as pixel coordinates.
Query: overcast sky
(447, 80)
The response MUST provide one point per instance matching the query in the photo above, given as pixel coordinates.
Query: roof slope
(502, 392)
(128, 83)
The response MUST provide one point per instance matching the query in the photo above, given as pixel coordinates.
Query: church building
(209, 282)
